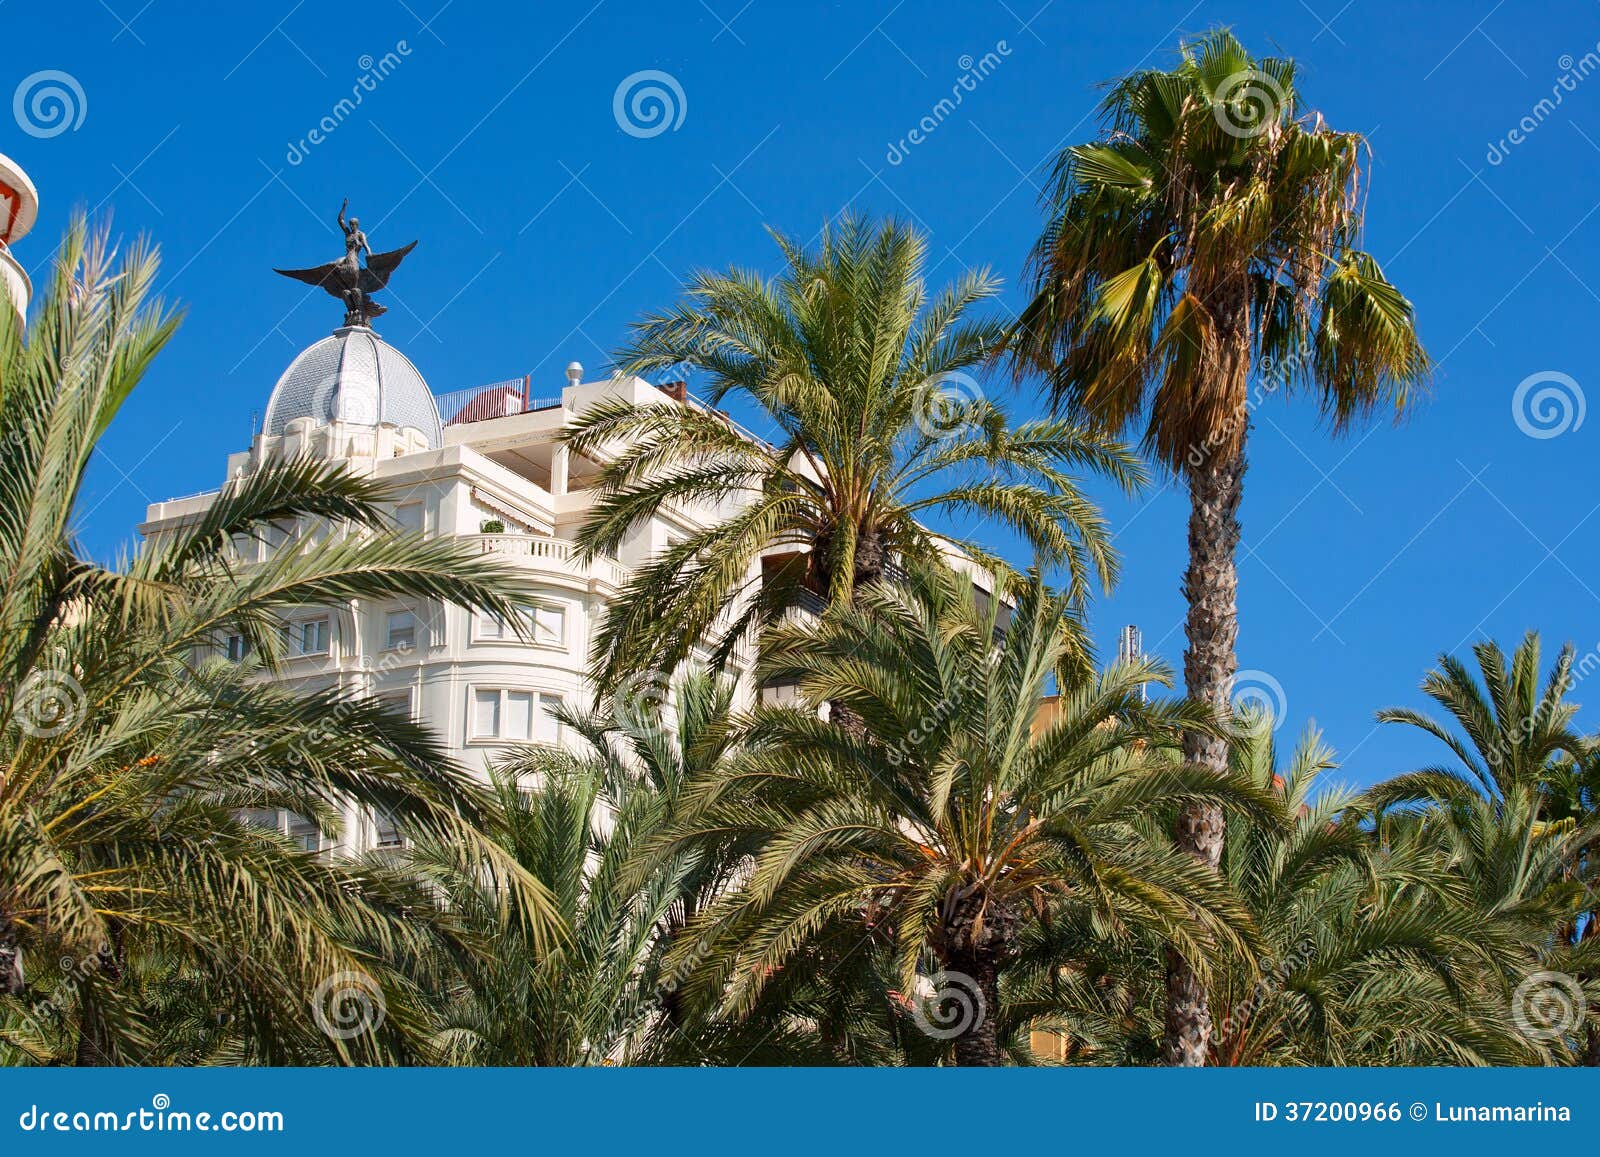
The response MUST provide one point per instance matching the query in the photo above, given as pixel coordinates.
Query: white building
(484, 466)
(19, 209)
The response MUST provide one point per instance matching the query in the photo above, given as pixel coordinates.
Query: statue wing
(380, 265)
(322, 275)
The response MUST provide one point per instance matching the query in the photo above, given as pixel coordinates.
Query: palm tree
(583, 824)
(1212, 228)
(1372, 948)
(1514, 817)
(131, 756)
(945, 826)
(866, 381)
(1516, 726)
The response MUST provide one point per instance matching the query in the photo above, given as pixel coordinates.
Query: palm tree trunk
(979, 937)
(1211, 587)
(867, 572)
(979, 1045)
(96, 1047)
(11, 977)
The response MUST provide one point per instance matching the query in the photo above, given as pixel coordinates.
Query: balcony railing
(558, 552)
(495, 400)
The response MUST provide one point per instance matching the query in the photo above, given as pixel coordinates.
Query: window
(280, 535)
(386, 829)
(546, 621)
(398, 702)
(305, 833)
(309, 637)
(408, 515)
(549, 624)
(781, 694)
(545, 727)
(486, 714)
(400, 631)
(236, 647)
(515, 716)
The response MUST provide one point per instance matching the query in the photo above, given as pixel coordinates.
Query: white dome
(354, 376)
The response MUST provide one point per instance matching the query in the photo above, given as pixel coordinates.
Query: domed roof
(353, 375)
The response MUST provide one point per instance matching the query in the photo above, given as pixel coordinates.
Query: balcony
(554, 556)
(496, 400)
(14, 286)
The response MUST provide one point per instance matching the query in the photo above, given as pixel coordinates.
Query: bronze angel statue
(347, 280)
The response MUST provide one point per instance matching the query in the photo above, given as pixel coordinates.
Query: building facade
(19, 209)
(485, 467)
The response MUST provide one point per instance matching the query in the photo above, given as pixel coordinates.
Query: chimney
(677, 391)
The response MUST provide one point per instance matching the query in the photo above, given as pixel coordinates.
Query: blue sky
(545, 228)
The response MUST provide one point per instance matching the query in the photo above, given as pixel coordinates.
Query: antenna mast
(1130, 649)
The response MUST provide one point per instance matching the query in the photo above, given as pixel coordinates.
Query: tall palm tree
(131, 755)
(947, 825)
(865, 379)
(1214, 227)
